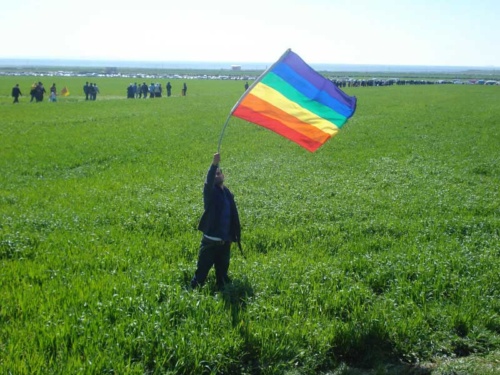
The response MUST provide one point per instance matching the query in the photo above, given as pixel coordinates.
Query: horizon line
(229, 63)
(67, 63)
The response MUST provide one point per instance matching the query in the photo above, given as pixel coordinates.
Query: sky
(374, 32)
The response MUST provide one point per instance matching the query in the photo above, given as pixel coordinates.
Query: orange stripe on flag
(277, 127)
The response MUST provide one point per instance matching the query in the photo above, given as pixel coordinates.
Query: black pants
(212, 253)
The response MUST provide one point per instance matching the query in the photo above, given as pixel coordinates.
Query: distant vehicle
(491, 82)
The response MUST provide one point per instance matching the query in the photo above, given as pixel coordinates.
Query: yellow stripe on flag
(277, 99)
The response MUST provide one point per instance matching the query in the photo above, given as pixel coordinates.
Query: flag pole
(247, 92)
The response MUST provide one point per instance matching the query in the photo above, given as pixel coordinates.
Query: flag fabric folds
(295, 101)
(64, 91)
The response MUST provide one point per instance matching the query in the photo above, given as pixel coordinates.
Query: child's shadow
(236, 295)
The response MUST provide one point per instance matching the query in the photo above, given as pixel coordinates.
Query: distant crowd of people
(90, 90)
(37, 92)
(154, 90)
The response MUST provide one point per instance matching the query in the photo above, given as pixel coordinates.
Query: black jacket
(212, 196)
(16, 91)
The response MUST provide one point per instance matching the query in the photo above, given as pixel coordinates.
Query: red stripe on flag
(277, 127)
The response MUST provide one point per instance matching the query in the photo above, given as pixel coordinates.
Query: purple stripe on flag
(317, 80)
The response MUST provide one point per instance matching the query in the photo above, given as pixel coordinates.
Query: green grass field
(379, 253)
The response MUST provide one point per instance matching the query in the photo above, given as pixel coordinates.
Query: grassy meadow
(379, 253)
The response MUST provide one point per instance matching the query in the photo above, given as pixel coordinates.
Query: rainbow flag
(295, 101)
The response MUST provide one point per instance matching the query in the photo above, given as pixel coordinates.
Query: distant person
(169, 89)
(246, 86)
(152, 90)
(91, 91)
(39, 92)
(144, 89)
(86, 90)
(16, 92)
(184, 89)
(130, 91)
(33, 91)
(53, 93)
(94, 90)
(220, 225)
(157, 90)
